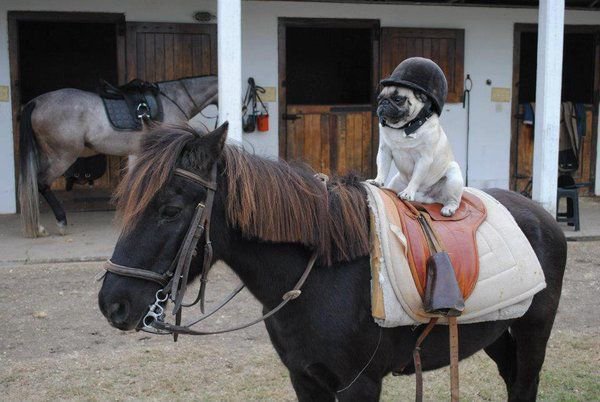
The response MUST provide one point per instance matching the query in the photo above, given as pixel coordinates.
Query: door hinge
(290, 116)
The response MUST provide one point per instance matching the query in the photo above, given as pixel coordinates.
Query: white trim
(547, 97)
(229, 37)
(597, 184)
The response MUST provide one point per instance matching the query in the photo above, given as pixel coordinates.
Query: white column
(547, 106)
(597, 186)
(229, 36)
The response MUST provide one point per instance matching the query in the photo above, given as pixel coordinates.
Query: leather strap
(212, 185)
(161, 279)
(417, 360)
(198, 227)
(288, 296)
(454, 386)
(412, 126)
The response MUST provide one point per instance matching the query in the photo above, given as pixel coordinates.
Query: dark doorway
(337, 69)
(578, 67)
(328, 74)
(580, 86)
(54, 55)
(52, 50)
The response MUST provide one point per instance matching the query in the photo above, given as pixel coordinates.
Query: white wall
(488, 54)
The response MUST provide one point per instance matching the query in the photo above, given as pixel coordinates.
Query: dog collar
(412, 126)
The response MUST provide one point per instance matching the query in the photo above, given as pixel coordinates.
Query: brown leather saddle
(456, 235)
(444, 262)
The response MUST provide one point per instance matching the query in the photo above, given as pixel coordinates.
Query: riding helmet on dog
(422, 75)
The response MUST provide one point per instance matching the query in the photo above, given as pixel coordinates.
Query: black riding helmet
(423, 75)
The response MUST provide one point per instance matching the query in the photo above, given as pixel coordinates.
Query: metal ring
(161, 299)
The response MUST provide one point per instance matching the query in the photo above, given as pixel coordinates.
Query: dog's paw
(448, 210)
(375, 183)
(407, 195)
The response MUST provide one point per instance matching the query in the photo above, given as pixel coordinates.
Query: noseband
(174, 281)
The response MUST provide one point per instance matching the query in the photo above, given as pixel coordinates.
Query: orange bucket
(262, 122)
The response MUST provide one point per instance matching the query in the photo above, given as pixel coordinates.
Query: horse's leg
(57, 209)
(54, 168)
(363, 389)
(308, 388)
(504, 352)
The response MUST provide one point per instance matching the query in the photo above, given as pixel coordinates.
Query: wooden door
(443, 46)
(163, 51)
(332, 133)
(333, 139)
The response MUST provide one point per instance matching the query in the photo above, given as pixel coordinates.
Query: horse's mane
(267, 199)
(274, 201)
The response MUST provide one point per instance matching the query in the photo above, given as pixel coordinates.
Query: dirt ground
(55, 344)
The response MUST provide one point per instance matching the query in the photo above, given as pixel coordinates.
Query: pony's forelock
(153, 166)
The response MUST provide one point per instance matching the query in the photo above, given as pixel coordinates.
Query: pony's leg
(308, 388)
(504, 352)
(531, 333)
(531, 343)
(364, 389)
(57, 209)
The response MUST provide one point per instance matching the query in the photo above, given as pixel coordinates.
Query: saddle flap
(442, 295)
(456, 235)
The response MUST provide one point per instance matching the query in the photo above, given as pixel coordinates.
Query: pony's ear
(217, 138)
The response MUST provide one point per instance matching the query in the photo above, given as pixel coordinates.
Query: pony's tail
(28, 183)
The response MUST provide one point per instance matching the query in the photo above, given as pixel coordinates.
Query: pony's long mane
(267, 200)
(275, 201)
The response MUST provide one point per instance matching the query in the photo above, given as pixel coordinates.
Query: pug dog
(411, 136)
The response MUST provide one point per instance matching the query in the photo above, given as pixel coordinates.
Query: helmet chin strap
(415, 124)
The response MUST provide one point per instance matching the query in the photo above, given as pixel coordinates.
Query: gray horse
(60, 126)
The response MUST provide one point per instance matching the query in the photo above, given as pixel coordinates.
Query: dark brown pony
(267, 219)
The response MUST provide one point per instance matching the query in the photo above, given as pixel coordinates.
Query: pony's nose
(117, 313)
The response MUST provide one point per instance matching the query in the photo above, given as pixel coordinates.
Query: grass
(203, 371)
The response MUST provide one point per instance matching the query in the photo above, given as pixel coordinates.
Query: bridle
(174, 281)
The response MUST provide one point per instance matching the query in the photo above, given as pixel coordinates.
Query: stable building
(320, 63)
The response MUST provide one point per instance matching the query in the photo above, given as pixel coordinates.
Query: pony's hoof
(62, 228)
(42, 232)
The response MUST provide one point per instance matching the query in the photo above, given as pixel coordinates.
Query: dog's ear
(420, 96)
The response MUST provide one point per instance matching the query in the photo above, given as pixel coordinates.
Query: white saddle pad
(509, 271)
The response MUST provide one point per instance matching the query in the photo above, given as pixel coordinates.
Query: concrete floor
(589, 217)
(91, 236)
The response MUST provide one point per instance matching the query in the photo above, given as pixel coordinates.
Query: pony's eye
(169, 211)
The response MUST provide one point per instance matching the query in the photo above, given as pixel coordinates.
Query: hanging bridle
(174, 281)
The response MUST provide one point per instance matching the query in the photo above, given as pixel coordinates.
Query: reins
(175, 280)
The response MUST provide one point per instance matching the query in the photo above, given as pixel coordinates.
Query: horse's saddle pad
(124, 104)
(496, 268)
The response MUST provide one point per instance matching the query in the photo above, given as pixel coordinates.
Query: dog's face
(396, 106)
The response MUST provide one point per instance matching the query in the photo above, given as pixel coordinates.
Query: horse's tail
(28, 175)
